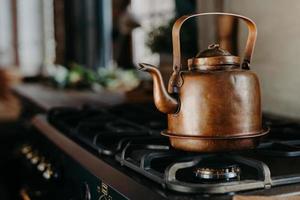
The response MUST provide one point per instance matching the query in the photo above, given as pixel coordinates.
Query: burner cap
(218, 173)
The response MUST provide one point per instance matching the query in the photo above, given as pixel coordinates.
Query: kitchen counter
(46, 97)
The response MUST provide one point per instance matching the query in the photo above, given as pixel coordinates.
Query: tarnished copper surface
(215, 106)
(219, 103)
(214, 63)
(214, 145)
(214, 58)
(164, 102)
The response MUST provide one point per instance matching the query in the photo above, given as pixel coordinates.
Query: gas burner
(218, 173)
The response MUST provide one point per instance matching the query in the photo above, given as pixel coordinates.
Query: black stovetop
(130, 134)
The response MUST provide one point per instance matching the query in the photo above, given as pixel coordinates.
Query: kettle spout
(163, 101)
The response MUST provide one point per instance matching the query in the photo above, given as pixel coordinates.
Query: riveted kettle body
(214, 105)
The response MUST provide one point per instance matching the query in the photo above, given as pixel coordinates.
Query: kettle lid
(213, 58)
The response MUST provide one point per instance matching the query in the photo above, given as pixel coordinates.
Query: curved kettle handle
(174, 81)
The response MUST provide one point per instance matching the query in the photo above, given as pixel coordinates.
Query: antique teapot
(215, 104)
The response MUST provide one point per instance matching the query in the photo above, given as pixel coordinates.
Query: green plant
(160, 38)
(79, 77)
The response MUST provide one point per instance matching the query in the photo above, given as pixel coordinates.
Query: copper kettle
(215, 104)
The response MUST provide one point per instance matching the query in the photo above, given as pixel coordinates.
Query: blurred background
(98, 43)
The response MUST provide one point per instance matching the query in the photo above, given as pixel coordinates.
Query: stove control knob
(42, 165)
(47, 174)
(32, 156)
(35, 159)
(29, 155)
(26, 149)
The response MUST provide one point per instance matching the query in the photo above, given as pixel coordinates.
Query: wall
(6, 37)
(277, 54)
(30, 36)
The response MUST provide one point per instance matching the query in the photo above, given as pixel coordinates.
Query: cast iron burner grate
(107, 129)
(132, 134)
(175, 170)
(285, 148)
(281, 128)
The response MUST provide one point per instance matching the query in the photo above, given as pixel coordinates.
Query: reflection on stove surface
(131, 135)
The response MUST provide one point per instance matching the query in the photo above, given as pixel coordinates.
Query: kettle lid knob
(212, 51)
(213, 46)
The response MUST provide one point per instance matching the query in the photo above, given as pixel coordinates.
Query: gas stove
(129, 136)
